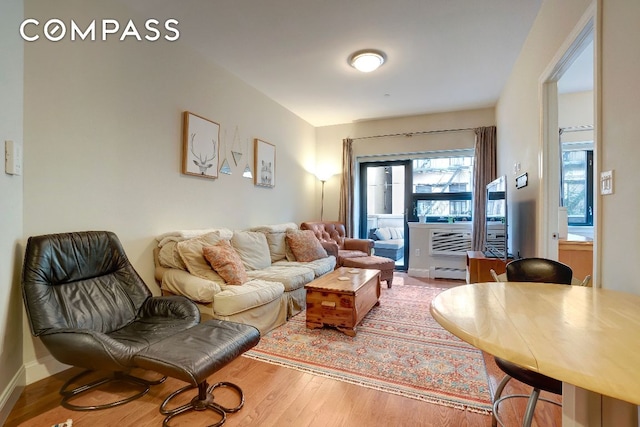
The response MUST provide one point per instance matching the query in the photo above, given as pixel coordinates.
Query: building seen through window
(442, 188)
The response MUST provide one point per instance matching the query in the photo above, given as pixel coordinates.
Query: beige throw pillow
(191, 253)
(305, 246)
(226, 262)
(169, 257)
(253, 249)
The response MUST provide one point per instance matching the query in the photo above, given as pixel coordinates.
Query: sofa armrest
(363, 245)
(331, 248)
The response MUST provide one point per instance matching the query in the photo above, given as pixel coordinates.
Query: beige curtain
(484, 172)
(345, 213)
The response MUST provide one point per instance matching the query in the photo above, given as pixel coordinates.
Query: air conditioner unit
(446, 242)
(448, 250)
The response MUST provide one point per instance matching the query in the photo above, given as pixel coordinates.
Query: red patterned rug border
(438, 397)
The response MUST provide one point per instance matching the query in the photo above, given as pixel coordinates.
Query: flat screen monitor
(496, 243)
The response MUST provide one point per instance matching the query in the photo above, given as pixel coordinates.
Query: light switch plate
(606, 182)
(13, 157)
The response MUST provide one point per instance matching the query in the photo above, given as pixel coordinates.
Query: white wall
(103, 135)
(576, 109)
(11, 86)
(620, 148)
(329, 153)
(518, 117)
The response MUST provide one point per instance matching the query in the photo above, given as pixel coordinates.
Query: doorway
(385, 191)
(569, 148)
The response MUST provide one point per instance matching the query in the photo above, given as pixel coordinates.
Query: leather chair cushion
(194, 355)
(538, 270)
(531, 378)
(80, 281)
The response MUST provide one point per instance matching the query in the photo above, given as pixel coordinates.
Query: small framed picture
(200, 146)
(264, 164)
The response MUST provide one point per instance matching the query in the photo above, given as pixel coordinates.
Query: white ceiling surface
(442, 55)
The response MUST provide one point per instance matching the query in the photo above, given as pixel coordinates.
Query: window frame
(451, 197)
(589, 178)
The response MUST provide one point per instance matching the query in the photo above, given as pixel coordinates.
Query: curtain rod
(410, 134)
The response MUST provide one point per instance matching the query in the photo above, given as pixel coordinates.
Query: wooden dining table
(589, 338)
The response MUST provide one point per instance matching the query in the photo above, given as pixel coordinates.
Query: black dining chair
(539, 270)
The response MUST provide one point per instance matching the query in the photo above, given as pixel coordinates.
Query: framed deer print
(264, 166)
(200, 146)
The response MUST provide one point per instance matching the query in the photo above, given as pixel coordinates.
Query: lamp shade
(323, 175)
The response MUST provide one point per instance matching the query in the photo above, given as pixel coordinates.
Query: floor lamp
(323, 177)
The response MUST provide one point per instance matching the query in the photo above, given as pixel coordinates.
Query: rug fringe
(437, 401)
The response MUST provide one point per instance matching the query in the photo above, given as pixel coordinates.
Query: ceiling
(442, 55)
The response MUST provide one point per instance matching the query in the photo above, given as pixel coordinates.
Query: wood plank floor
(276, 396)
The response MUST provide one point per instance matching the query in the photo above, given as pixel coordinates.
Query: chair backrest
(80, 280)
(539, 270)
(327, 231)
(498, 277)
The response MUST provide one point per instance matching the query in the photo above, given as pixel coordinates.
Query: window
(442, 188)
(577, 182)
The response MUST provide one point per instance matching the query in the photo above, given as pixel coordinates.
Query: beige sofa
(275, 289)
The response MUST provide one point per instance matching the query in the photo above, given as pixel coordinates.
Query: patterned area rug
(399, 348)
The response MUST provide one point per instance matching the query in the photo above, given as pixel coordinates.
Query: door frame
(408, 186)
(549, 166)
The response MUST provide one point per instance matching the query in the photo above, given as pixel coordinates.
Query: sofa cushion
(305, 246)
(383, 233)
(254, 293)
(253, 249)
(181, 282)
(389, 244)
(291, 277)
(190, 251)
(319, 266)
(389, 233)
(169, 257)
(226, 262)
(343, 253)
(180, 235)
(275, 235)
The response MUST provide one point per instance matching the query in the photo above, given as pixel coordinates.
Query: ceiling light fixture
(367, 60)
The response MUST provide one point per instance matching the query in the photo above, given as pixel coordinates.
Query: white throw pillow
(253, 249)
(383, 233)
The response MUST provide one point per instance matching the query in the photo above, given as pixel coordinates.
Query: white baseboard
(448, 273)
(43, 368)
(438, 273)
(27, 374)
(418, 272)
(11, 393)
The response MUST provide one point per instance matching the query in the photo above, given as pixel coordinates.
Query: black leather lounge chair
(92, 310)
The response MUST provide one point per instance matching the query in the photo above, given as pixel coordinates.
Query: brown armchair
(332, 236)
